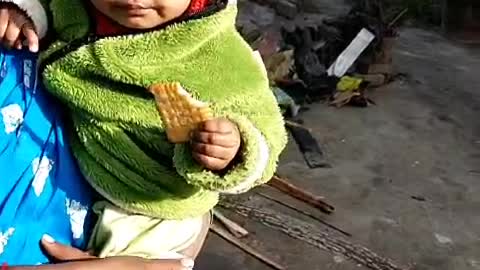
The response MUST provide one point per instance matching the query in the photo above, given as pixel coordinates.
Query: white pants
(119, 233)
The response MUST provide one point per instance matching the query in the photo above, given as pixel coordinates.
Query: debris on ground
(286, 103)
(336, 61)
(307, 61)
(350, 55)
(309, 146)
(310, 66)
(355, 99)
(279, 65)
(349, 84)
(419, 198)
(351, 91)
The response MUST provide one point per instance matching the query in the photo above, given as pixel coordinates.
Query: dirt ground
(421, 140)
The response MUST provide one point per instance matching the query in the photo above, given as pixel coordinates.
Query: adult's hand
(70, 258)
(15, 27)
(62, 253)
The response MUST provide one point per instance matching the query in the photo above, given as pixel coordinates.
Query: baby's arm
(255, 112)
(23, 20)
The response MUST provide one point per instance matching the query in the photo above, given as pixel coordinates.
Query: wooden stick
(244, 247)
(398, 17)
(233, 227)
(301, 195)
(289, 123)
(308, 214)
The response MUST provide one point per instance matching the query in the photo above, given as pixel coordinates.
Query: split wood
(300, 194)
(244, 247)
(233, 227)
(303, 212)
(303, 231)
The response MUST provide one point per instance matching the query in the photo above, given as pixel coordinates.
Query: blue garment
(41, 188)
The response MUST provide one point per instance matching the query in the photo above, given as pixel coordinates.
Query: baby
(102, 58)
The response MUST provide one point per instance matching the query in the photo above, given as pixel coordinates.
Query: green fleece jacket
(118, 136)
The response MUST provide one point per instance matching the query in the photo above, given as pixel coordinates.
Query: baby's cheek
(175, 7)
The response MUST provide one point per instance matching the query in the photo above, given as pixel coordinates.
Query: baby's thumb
(31, 37)
(63, 253)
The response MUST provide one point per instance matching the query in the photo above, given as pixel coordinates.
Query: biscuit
(180, 112)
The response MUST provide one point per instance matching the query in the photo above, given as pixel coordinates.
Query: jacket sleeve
(36, 10)
(263, 134)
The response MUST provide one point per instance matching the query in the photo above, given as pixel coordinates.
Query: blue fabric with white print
(41, 188)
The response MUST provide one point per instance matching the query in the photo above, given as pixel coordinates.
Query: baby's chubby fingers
(213, 138)
(212, 150)
(220, 131)
(210, 163)
(218, 125)
(215, 144)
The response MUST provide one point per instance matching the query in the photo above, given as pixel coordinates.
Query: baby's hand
(15, 27)
(216, 143)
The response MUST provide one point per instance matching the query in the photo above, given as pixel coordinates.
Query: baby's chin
(141, 22)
